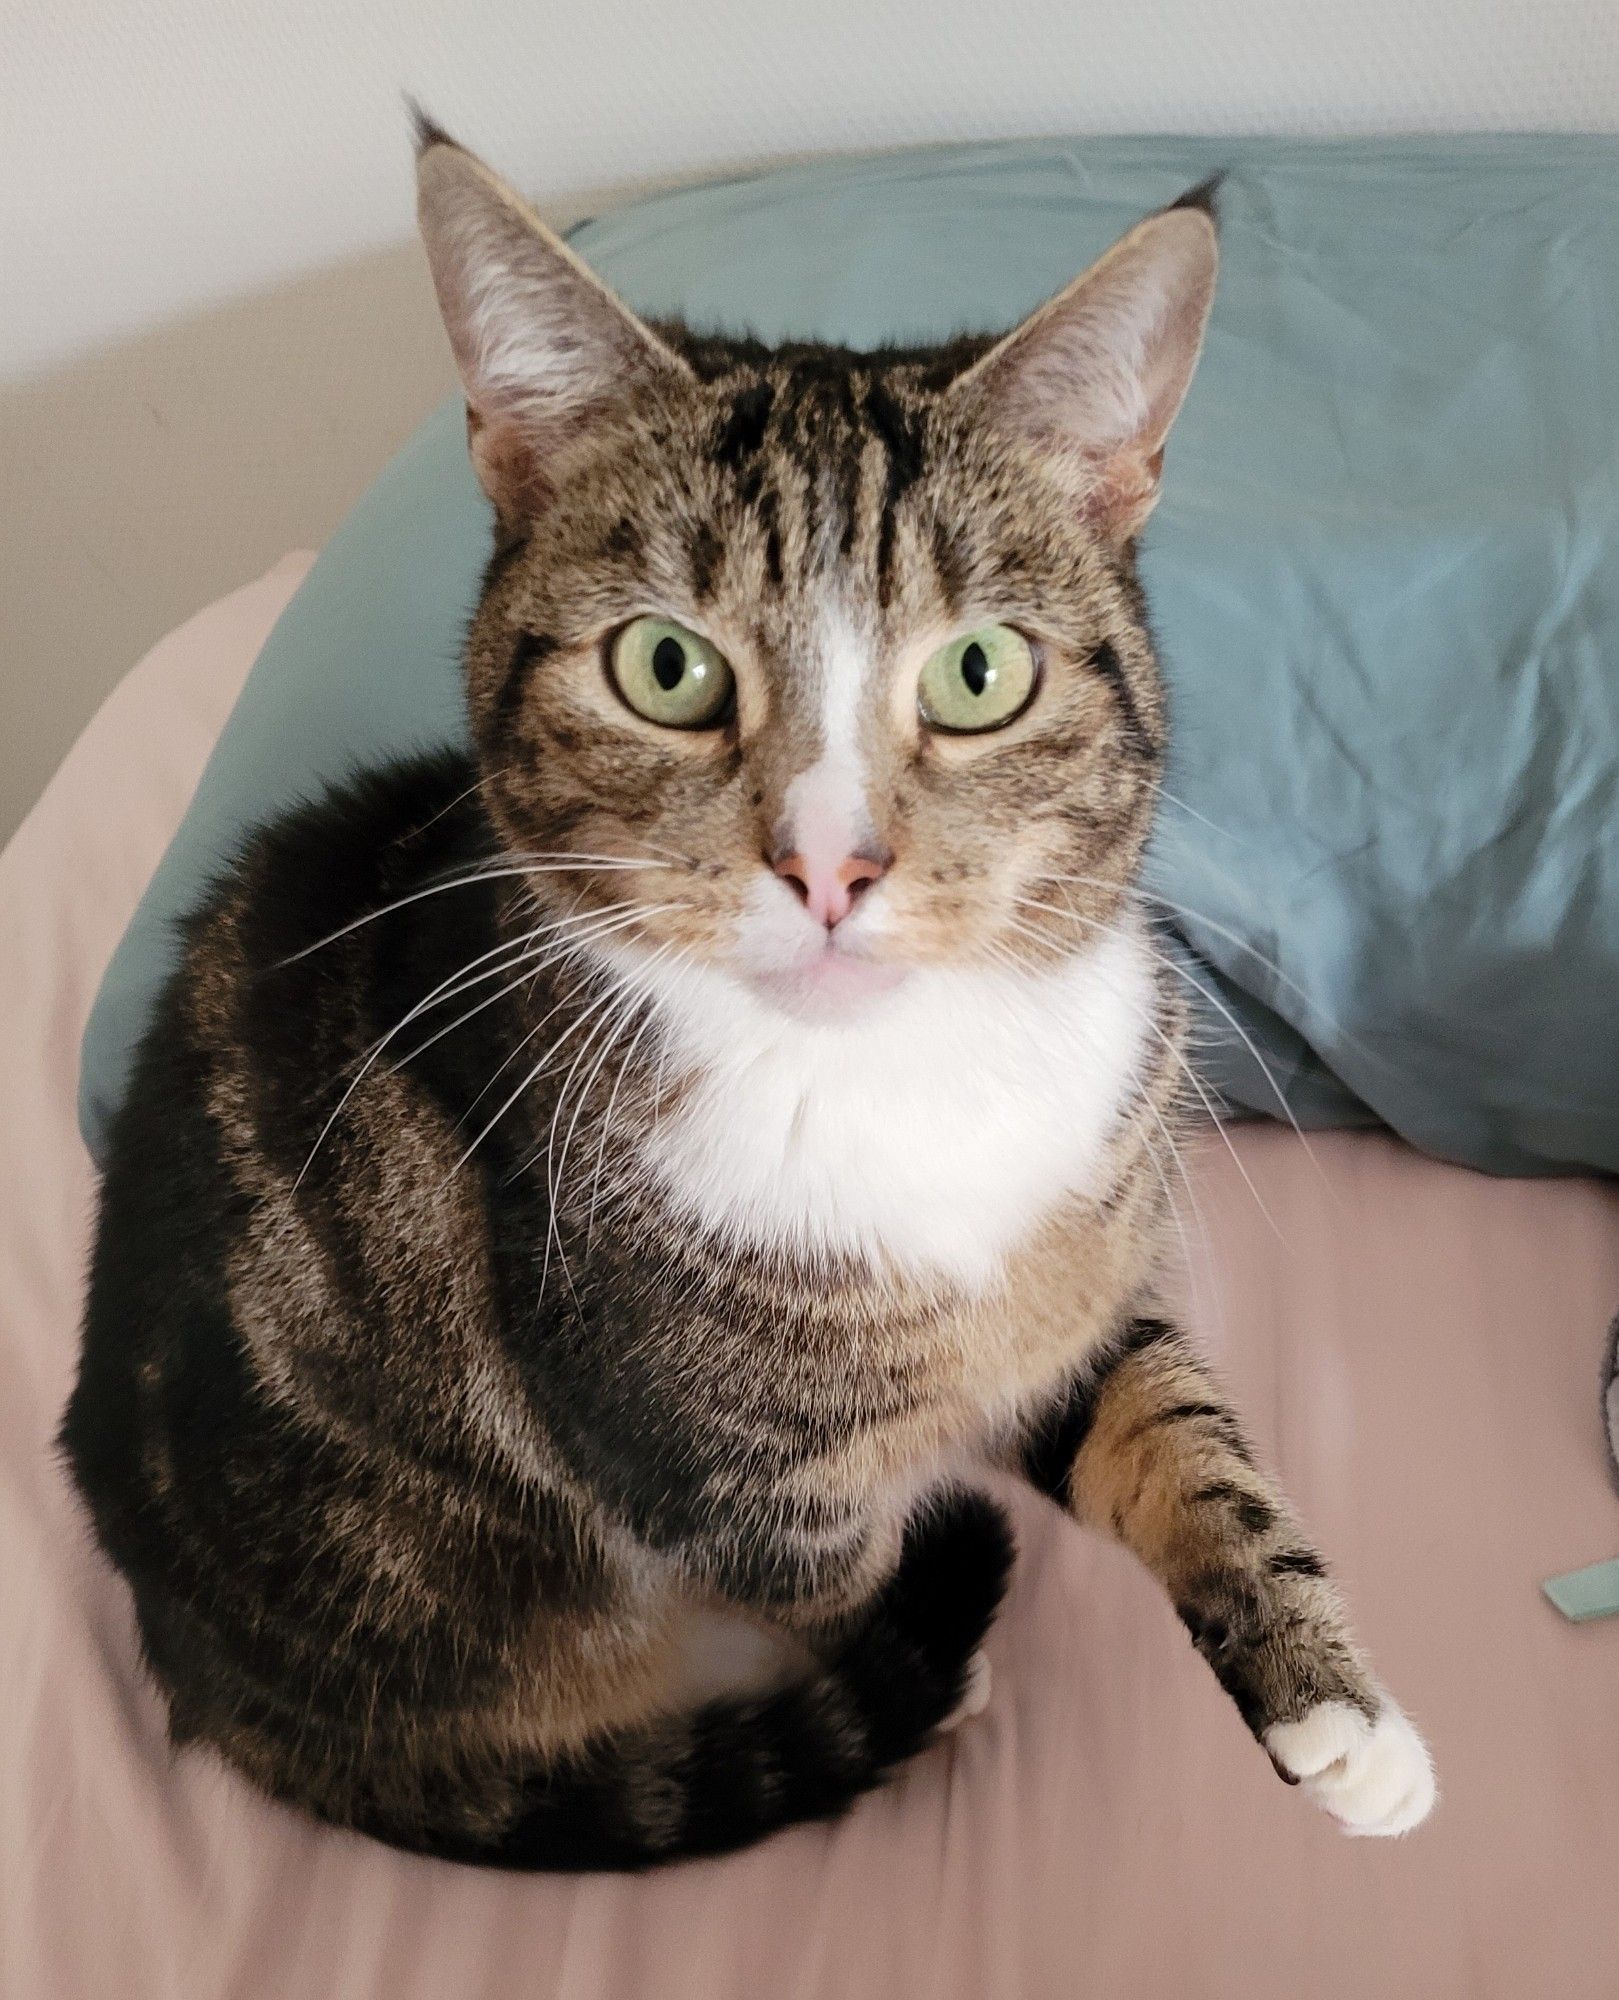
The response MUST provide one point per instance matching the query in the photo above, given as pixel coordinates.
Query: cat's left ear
(544, 349)
(1097, 374)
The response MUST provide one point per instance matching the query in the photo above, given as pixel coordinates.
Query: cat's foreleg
(1145, 1446)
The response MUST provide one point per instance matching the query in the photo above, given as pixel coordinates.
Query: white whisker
(460, 981)
(614, 1024)
(682, 966)
(615, 922)
(522, 950)
(1214, 1000)
(463, 881)
(617, 1001)
(1317, 1011)
(1169, 798)
(596, 924)
(1248, 1042)
(459, 799)
(573, 1027)
(1169, 1197)
(1191, 1075)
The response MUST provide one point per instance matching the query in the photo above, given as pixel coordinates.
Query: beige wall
(140, 482)
(213, 326)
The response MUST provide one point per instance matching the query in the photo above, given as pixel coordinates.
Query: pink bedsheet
(1417, 1347)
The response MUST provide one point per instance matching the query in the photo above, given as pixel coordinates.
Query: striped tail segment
(737, 1770)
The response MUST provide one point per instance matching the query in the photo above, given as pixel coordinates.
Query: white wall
(161, 154)
(212, 327)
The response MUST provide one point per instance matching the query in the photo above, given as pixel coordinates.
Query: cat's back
(252, 1326)
(330, 915)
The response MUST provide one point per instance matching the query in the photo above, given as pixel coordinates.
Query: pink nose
(829, 892)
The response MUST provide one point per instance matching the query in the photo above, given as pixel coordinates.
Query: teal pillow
(1385, 574)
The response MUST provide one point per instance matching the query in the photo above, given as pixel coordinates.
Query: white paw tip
(1373, 1777)
(974, 1696)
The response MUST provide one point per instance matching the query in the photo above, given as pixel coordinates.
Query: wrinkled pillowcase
(1384, 576)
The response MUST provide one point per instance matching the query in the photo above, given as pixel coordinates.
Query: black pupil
(668, 664)
(975, 668)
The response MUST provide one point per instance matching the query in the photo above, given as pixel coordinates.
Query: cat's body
(521, 1487)
(619, 1187)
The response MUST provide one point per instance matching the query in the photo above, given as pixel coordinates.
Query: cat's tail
(736, 1770)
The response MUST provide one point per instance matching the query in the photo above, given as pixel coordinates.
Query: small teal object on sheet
(1582, 1594)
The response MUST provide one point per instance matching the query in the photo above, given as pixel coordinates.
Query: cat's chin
(832, 986)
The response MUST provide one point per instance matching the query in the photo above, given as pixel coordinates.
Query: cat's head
(831, 666)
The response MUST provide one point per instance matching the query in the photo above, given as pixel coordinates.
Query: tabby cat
(582, 1211)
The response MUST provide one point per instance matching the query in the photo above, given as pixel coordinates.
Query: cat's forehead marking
(845, 656)
(835, 445)
(826, 813)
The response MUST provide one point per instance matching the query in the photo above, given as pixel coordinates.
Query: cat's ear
(1097, 374)
(543, 347)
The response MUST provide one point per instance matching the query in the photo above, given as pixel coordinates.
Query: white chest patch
(936, 1130)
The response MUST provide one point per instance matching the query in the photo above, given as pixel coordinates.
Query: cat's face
(815, 667)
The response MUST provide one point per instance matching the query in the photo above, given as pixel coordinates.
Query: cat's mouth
(829, 984)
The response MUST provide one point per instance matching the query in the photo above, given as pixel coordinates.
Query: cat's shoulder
(327, 866)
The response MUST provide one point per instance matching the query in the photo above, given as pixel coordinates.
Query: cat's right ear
(1095, 377)
(543, 347)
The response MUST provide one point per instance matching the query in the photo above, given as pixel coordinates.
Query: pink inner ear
(541, 345)
(1099, 372)
(507, 465)
(1123, 494)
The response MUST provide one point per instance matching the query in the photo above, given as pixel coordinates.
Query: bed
(1415, 1344)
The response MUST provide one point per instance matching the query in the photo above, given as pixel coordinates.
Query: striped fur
(497, 1282)
(1148, 1449)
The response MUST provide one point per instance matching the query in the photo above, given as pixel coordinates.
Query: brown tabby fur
(420, 1465)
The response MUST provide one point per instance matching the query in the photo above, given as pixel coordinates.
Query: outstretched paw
(1374, 1777)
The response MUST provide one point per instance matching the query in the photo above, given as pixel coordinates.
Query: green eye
(670, 675)
(978, 681)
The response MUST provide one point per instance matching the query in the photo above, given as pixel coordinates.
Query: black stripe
(949, 559)
(853, 438)
(1297, 1562)
(1052, 1445)
(1181, 1413)
(1230, 1656)
(1255, 1514)
(1050, 1449)
(506, 553)
(901, 439)
(703, 552)
(1142, 1334)
(885, 558)
(531, 649)
(741, 433)
(901, 436)
(1187, 1413)
(740, 1767)
(1234, 1677)
(624, 542)
(767, 513)
(1107, 665)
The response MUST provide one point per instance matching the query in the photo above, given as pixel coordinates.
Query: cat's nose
(829, 891)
